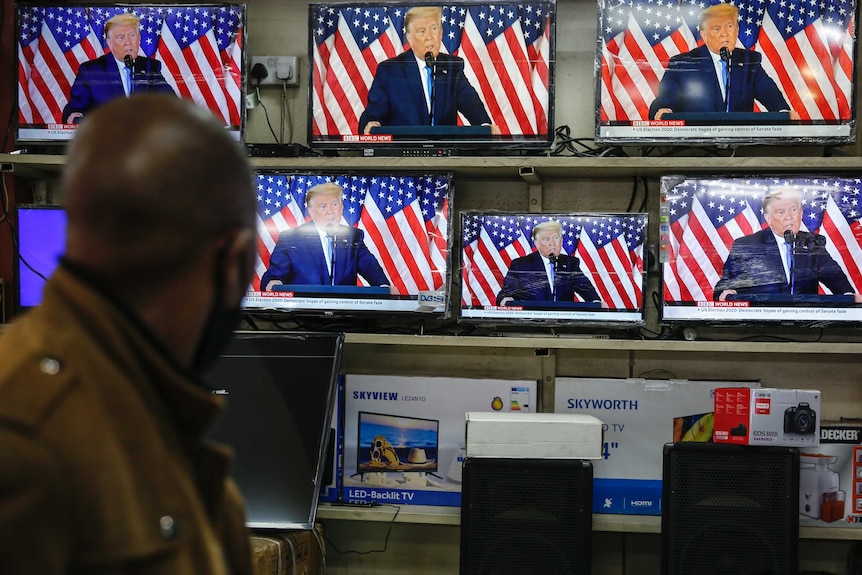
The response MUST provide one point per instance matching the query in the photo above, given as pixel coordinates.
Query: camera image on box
(800, 419)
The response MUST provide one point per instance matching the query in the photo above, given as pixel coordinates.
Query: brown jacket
(103, 468)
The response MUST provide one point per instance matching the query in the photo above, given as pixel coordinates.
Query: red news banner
(723, 304)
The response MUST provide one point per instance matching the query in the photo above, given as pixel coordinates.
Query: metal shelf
(432, 515)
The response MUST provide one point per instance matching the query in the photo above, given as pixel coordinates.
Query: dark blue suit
(690, 84)
(298, 258)
(397, 98)
(527, 280)
(754, 266)
(98, 81)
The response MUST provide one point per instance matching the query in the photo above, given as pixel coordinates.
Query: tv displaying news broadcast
(580, 267)
(373, 243)
(453, 76)
(754, 71)
(74, 57)
(782, 249)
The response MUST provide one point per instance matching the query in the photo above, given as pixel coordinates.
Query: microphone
(431, 63)
(790, 238)
(331, 232)
(726, 56)
(130, 64)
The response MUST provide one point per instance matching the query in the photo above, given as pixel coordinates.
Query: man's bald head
(150, 181)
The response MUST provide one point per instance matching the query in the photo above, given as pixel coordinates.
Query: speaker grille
(730, 509)
(526, 516)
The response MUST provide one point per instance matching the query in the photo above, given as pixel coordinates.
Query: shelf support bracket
(531, 176)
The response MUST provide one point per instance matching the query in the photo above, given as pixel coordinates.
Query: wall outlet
(278, 69)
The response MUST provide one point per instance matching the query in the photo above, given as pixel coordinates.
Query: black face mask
(219, 326)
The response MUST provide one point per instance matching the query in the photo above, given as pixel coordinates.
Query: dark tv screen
(597, 273)
(396, 443)
(66, 65)
(369, 243)
(41, 233)
(491, 85)
(784, 249)
(280, 390)
(792, 73)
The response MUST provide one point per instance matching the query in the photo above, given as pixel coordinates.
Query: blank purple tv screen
(41, 242)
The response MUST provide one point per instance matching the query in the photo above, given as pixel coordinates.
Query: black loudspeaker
(526, 516)
(729, 509)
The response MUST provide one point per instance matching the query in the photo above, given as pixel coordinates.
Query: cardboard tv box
(404, 437)
(767, 416)
(640, 416)
(276, 552)
(830, 477)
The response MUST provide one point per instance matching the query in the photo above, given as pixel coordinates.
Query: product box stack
(278, 552)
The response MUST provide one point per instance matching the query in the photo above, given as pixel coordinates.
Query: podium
(793, 299)
(728, 118)
(375, 292)
(433, 132)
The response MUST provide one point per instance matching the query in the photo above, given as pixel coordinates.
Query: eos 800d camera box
(767, 416)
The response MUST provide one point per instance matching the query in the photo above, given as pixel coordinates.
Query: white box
(404, 437)
(533, 435)
(767, 416)
(640, 416)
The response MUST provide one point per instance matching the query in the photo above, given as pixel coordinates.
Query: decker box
(767, 416)
(830, 477)
(404, 437)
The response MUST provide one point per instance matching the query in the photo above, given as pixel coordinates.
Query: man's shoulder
(758, 237)
(96, 64)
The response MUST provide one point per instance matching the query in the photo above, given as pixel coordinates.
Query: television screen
(464, 75)
(747, 72)
(358, 243)
(396, 443)
(281, 391)
(784, 249)
(582, 267)
(74, 57)
(41, 241)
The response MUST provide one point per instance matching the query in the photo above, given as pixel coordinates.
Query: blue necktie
(429, 83)
(553, 280)
(789, 249)
(330, 252)
(129, 82)
(725, 73)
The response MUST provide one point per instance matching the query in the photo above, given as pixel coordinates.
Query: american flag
(200, 49)
(706, 215)
(807, 49)
(609, 247)
(405, 219)
(506, 48)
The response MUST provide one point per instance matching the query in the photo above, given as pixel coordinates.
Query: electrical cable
(369, 551)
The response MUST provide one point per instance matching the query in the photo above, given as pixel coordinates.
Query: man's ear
(238, 265)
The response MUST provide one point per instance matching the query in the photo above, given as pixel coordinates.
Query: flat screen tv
(370, 243)
(553, 268)
(396, 443)
(280, 391)
(68, 64)
(489, 81)
(770, 72)
(784, 249)
(41, 240)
